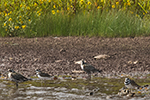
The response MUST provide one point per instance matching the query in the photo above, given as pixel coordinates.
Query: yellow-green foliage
(16, 16)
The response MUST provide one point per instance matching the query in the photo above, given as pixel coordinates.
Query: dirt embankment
(56, 55)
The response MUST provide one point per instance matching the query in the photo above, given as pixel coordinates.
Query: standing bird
(130, 84)
(42, 75)
(87, 68)
(16, 77)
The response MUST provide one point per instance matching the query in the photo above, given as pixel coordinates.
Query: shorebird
(87, 67)
(130, 84)
(42, 75)
(16, 77)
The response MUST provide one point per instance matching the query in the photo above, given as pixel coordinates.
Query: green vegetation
(105, 85)
(105, 18)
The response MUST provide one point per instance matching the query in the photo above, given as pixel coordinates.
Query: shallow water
(67, 89)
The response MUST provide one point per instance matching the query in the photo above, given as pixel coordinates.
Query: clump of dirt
(56, 55)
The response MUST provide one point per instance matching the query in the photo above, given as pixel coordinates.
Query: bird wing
(133, 82)
(90, 68)
(44, 75)
(18, 77)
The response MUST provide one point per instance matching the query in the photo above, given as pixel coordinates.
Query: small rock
(58, 61)
(91, 93)
(62, 50)
(15, 44)
(108, 97)
(131, 95)
(135, 62)
(131, 62)
(2, 64)
(123, 91)
(77, 71)
(35, 59)
(104, 56)
(10, 58)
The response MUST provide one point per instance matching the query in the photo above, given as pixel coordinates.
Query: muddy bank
(56, 55)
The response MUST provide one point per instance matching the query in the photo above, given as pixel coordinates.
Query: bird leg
(89, 76)
(17, 84)
(42, 82)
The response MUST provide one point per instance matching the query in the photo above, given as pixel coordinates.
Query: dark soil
(56, 55)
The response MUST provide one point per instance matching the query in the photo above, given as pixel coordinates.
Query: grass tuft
(106, 24)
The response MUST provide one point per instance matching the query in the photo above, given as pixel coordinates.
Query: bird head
(38, 70)
(11, 70)
(127, 81)
(80, 62)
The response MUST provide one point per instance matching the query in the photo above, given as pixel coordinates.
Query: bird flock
(129, 84)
